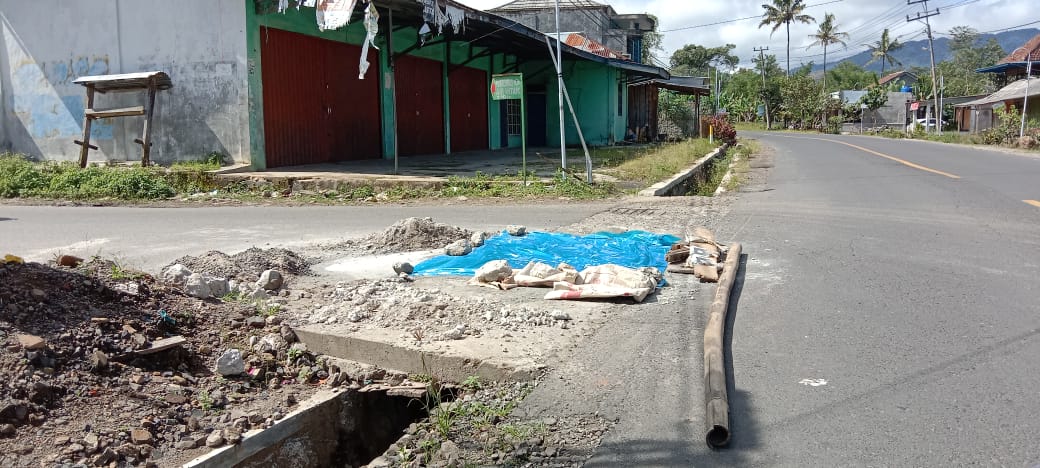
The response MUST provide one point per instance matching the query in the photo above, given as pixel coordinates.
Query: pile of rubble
(104, 366)
(410, 234)
(399, 304)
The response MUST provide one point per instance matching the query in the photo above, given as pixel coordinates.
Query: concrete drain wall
(333, 428)
(689, 179)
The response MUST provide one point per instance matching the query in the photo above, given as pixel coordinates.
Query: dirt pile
(85, 377)
(412, 234)
(246, 265)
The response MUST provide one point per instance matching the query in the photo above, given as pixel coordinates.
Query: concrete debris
(516, 230)
(215, 439)
(176, 275)
(410, 234)
(477, 239)
(558, 314)
(458, 248)
(493, 271)
(31, 342)
(270, 280)
(271, 343)
(204, 287)
(231, 363)
(69, 261)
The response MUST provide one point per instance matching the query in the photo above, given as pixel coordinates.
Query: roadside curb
(698, 172)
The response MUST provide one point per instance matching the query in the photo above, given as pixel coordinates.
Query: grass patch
(665, 161)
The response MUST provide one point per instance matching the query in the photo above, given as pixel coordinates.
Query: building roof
(589, 45)
(1015, 90)
(692, 85)
(526, 5)
(893, 76)
(1030, 51)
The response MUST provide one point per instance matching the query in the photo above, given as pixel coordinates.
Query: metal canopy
(1015, 90)
(1005, 67)
(126, 81)
(504, 35)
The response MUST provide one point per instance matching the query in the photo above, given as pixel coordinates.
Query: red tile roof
(893, 76)
(1029, 51)
(589, 45)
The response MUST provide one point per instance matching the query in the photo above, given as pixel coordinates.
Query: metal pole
(559, 86)
(1025, 99)
(577, 126)
(393, 82)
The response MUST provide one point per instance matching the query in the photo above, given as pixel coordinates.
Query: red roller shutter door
(420, 106)
(469, 109)
(315, 108)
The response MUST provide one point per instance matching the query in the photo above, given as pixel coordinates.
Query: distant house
(901, 79)
(977, 115)
(593, 20)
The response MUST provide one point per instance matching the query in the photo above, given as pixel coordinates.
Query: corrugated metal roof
(589, 45)
(1016, 90)
(523, 5)
(892, 76)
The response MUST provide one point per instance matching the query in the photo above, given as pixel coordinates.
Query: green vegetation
(665, 161)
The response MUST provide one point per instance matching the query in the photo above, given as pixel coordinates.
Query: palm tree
(785, 12)
(828, 34)
(882, 50)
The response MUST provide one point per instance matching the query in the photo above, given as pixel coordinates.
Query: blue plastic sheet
(632, 249)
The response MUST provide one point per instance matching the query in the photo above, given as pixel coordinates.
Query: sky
(691, 22)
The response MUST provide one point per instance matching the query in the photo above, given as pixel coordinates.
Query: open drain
(348, 428)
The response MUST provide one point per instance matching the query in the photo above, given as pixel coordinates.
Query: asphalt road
(148, 238)
(886, 314)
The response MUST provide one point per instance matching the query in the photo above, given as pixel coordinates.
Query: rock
(232, 435)
(495, 270)
(449, 453)
(31, 342)
(257, 294)
(184, 445)
(69, 261)
(74, 448)
(270, 280)
(380, 462)
(560, 315)
(288, 334)
(477, 239)
(516, 230)
(403, 267)
(176, 399)
(98, 361)
(458, 248)
(1027, 142)
(271, 343)
(8, 430)
(256, 322)
(178, 380)
(91, 442)
(176, 275)
(38, 294)
(106, 457)
(215, 440)
(141, 436)
(231, 363)
(273, 320)
(204, 287)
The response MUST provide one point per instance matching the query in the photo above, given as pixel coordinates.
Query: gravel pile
(246, 265)
(411, 234)
(399, 304)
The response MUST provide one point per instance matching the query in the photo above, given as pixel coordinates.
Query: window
(620, 98)
(513, 117)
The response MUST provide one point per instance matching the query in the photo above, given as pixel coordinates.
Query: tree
(847, 75)
(651, 43)
(802, 101)
(828, 35)
(785, 12)
(697, 60)
(882, 50)
(969, 53)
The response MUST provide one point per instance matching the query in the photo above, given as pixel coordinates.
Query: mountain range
(915, 53)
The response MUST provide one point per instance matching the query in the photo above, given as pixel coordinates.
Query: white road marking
(813, 382)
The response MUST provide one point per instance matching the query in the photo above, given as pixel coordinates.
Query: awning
(1004, 67)
(693, 85)
(1016, 90)
(126, 81)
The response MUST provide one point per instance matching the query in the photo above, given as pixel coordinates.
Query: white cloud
(864, 20)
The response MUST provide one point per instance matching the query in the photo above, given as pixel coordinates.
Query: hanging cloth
(371, 29)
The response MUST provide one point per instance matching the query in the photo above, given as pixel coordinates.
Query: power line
(741, 19)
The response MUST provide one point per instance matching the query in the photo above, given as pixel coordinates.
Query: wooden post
(85, 144)
(716, 401)
(147, 143)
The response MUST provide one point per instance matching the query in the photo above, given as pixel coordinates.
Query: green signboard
(507, 86)
(511, 86)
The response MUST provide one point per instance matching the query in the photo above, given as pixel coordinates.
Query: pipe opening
(717, 437)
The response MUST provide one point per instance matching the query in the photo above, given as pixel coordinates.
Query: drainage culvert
(334, 428)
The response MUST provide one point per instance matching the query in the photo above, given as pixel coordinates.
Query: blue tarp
(632, 249)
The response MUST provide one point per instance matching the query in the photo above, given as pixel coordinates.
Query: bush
(18, 175)
(723, 129)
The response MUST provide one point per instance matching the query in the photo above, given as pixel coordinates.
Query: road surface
(149, 238)
(887, 314)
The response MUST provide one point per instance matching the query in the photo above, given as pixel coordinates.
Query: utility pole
(559, 85)
(931, 54)
(762, 67)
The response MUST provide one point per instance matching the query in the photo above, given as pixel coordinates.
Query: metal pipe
(559, 86)
(1025, 99)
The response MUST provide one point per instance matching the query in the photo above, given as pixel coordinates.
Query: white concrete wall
(201, 44)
